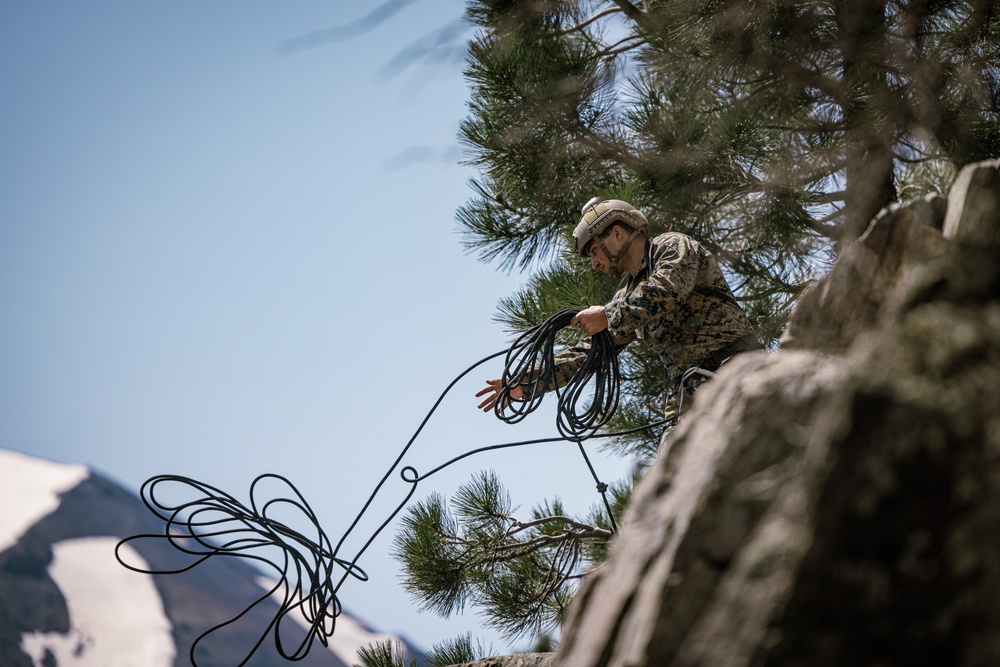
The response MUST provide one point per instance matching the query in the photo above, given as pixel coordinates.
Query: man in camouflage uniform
(675, 299)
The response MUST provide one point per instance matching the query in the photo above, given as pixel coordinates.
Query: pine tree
(519, 573)
(770, 130)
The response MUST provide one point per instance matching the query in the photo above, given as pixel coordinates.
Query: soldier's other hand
(591, 320)
(492, 393)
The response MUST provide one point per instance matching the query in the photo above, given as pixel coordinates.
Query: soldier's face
(600, 262)
(599, 259)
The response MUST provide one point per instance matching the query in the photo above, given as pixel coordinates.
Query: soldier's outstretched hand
(492, 393)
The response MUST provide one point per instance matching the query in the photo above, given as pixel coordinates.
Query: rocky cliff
(834, 502)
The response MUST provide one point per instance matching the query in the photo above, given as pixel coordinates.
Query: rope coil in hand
(532, 357)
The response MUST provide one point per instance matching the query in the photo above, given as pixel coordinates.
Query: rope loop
(205, 522)
(531, 366)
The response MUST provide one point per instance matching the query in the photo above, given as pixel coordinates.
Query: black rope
(530, 365)
(310, 570)
(210, 523)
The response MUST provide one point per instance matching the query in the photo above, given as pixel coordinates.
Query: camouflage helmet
(598, 215)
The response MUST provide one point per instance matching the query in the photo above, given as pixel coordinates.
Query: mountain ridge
(97, 512)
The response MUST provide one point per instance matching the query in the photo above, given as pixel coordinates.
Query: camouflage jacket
(678, 304)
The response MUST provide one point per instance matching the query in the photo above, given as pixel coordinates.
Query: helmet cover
(599, 214)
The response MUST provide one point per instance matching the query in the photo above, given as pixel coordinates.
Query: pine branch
(614, 49)
(824, 230)
(560, 519)
(766, 294)
(829, 86)
(605, 149)
(583, 24)
(527, 547)
(633, 13)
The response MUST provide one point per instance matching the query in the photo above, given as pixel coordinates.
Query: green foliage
(389, 653)
(619, 495)
(386, 653)
(740, 122)
(434, 563)
(521, 574)
(456, 651)
(559, 286)
(772, 132)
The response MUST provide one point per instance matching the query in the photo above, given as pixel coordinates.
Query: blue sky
(228, 247)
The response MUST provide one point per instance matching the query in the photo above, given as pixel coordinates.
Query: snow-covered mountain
(66, 601)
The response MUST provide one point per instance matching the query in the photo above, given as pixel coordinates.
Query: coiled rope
(310, 572)
(532, 356)
(210, 522)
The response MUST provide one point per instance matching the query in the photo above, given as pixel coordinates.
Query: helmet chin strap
(615, 271)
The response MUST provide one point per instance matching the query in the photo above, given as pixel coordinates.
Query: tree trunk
(869, 166)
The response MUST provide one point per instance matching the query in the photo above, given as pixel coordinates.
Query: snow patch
(348, 636)
(116, 616)
(30, 490)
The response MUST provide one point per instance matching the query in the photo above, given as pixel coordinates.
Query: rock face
(520, 660)
(835, 502)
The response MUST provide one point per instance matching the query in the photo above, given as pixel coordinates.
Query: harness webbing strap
(743, 344)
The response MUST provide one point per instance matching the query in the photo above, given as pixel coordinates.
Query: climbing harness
(693, 377)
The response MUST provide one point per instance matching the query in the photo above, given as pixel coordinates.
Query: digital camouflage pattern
(678, 304)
